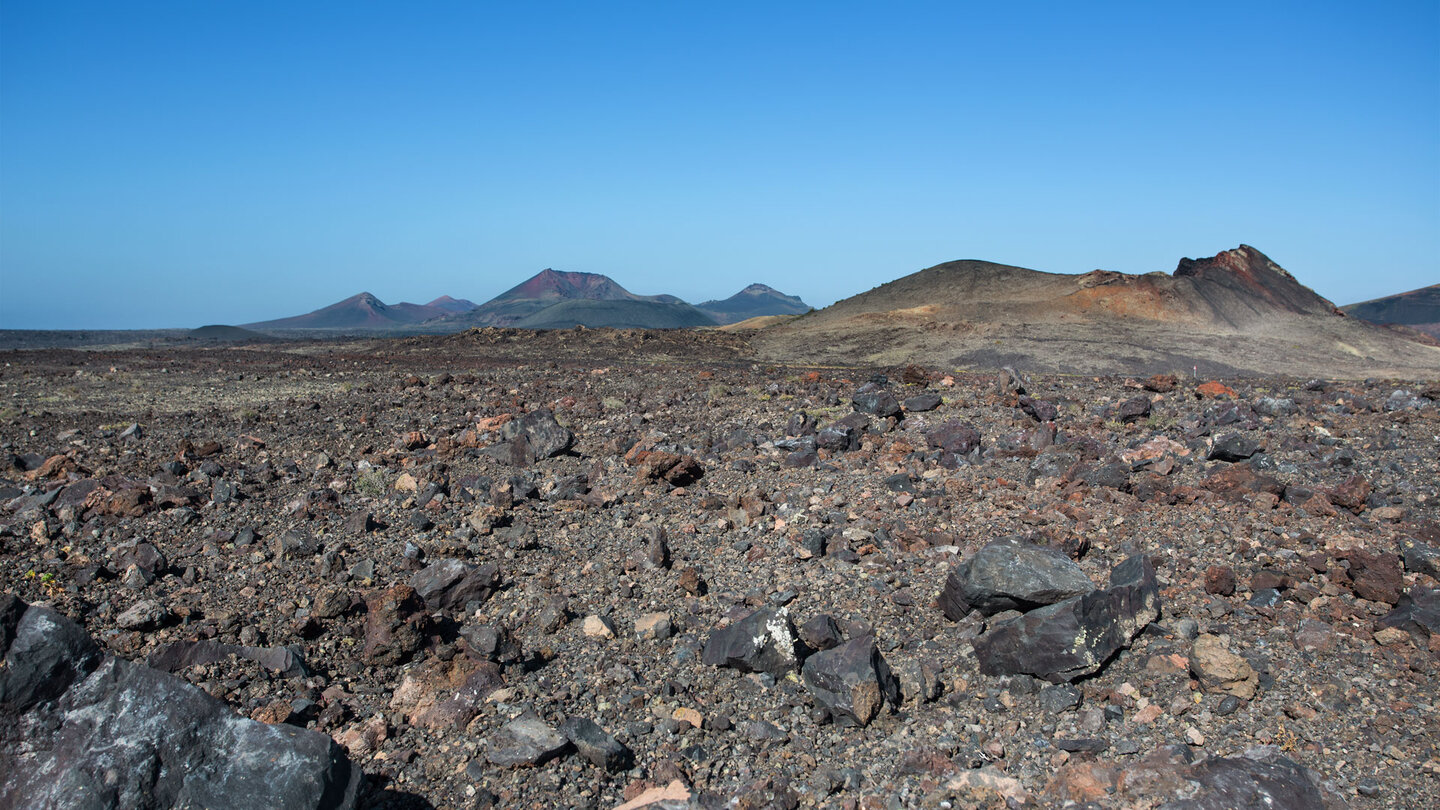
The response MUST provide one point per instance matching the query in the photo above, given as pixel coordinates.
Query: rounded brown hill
(1236, 312)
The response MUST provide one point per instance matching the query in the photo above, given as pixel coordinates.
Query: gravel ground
(292, 493)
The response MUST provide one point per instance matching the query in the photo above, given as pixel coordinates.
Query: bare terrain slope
(1237, 313)
(1417, 309)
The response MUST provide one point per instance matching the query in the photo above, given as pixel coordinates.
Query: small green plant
(371, 483)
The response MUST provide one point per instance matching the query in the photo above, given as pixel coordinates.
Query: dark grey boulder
(44, 653)
(1011, 574)
(821, 632)
(1421, 558)
(1417, 613)
(878, 403)
(1039, 409)
(453, 584)
(1052, 463)
(1245, 784)
(532, 437)
(1233, 447)
(954, 437)
(838, 438)
(852, 681)
(1075, 637)
(595, 744)
(922, 402)
(79, 729)
(1275, 408)
(1133, 409)
(526, 740)
(764, 641)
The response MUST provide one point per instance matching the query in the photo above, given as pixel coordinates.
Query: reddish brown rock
(1220, 580)
(394, 625)
(1376, 577)
(1350, 493)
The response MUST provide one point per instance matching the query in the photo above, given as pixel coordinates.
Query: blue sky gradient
(184, 163)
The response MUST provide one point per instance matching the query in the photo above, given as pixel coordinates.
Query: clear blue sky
(184, 163)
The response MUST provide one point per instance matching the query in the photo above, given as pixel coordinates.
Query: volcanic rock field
(604, 569)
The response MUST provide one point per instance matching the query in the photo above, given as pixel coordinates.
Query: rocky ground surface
(653, 574)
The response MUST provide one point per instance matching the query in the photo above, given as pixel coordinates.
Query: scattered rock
(1222, 671)
(525, 741)
(455, 585)
(594, 744)
(1074, 637)
(764, 641)
(852, 681)
(1008, 574)
(97, 727)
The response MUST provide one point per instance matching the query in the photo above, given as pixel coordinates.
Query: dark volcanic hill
(1236, 312)
(752, 302)
(449, 304)
(363, 311)
(617, 315)
(1417, 309)
(550, 287)
(221, 333)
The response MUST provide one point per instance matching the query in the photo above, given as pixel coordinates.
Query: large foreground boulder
(81, 729)
(1011, 574)
(1073, 638)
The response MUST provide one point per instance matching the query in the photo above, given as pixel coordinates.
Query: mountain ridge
(1237, 311)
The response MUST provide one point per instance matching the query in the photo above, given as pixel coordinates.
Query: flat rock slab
(764, 641)
(1011, 574)
(452, 584)
(1242, 784)
(87, 730)
(1074, 638)
(526, 741)
(287, 662)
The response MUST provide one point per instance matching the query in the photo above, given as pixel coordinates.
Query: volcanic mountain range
(550, 299)
(1236, 312)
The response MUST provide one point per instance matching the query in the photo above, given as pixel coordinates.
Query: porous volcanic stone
(532, 437)
(878, 403)
(596, 745)
(525, 741)
(1233, 447)
(1239, 784)
(1417, 613)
